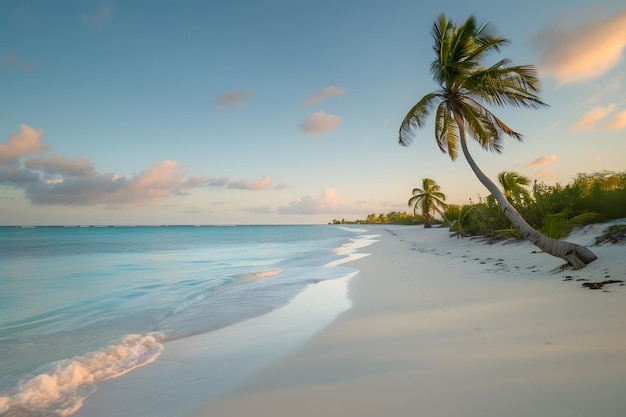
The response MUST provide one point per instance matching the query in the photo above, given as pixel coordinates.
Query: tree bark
(576, 255)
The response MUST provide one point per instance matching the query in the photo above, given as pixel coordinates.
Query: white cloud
(327, 202)
(583, 51)
(319, 123)
(325, 93)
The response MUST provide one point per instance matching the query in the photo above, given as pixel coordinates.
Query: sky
(132, 112)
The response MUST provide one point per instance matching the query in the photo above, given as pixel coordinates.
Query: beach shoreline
(196, 369)
(446, 327)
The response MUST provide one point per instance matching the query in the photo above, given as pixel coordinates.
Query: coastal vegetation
(393, 217)
(554, 210)
(466, 88)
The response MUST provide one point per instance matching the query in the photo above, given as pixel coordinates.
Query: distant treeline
(553, 210)
(393, 217)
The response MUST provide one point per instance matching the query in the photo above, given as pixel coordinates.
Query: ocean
(83, 305)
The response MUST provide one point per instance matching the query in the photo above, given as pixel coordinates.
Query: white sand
(452, 327)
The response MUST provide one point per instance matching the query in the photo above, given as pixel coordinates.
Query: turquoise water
(82, 305)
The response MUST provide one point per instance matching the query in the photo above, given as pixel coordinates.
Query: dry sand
(453, 327)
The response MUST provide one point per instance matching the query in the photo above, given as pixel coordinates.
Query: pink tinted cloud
(261, 184)
(26, 142)
(600, 118)
(541, 161)
(325, 93)
(233, 100)
(319, 123)
(617, 122)
(60, 180)
(160, 180)
(67, 181)
(581, 52)
(329, 201)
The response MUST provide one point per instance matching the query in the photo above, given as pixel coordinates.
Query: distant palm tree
(429, 199)
(513, 186)
(465, 86)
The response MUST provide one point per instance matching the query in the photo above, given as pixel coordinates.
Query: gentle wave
(61, 391)
(263, 274)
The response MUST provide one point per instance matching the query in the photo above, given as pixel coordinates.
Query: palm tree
(466, 86)
(429, 199)
(513, 186)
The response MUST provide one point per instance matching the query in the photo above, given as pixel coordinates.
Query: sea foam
(62, 390)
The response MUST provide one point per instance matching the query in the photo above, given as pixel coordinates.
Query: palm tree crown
(513, 186)
(429, 199)
(466, 86)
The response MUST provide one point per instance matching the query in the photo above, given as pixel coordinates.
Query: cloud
(617, 122)
(261, 184)
(325, 93)
(602, 118)
(259, 210)
(100, 17)
(319, 123)
(327, 202)
(160, 180)
(233, 100)
(74, 181)
(581, 52)
(218, 182)
(541, 161)
(60, 180)
(11, 59)
(56, 164)
(13, 175)
(26, 142)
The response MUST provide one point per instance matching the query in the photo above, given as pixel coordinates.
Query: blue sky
(255, 112)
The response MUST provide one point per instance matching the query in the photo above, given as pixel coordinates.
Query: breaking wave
(62, 390)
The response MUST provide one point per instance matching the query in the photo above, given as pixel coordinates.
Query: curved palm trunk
(577, 256)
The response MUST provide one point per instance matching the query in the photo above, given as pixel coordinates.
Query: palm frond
(502, 85)
(416, 117)
(479, 126)
(446, 132)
